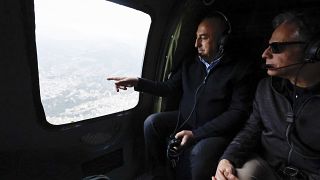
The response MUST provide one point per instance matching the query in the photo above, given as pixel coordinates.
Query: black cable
(217, 57)
(291, 117)
(172, 152)
(193, 108)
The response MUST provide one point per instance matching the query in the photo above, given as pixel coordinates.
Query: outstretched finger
(114, 78)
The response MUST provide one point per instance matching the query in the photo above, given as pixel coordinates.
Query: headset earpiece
(224, 37)
(223, 40)
(312, 52)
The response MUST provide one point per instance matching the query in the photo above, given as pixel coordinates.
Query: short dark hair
(307, 22)
(223, 20)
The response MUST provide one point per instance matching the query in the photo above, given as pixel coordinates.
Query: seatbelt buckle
(290, 171)
(290, 117)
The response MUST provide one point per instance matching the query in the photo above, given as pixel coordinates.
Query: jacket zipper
(295, 116)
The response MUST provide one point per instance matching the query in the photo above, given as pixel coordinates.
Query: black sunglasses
(279, 47)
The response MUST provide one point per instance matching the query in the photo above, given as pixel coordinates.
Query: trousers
(197, 162)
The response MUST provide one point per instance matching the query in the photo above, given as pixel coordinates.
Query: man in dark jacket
(216, 99)
(281, 137)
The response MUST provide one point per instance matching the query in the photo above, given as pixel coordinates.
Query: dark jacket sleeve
(240, 106)
(172, 85)
(247, 140)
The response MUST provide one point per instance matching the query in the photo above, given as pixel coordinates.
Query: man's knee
(204, 157)
(149, 121)
(209, 149)
(154, 119)
(149, 125)
(256, 168)
(202, 168)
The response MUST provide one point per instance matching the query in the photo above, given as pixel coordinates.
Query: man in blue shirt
(216, 94)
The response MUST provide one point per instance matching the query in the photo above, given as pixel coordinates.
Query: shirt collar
(212, 64)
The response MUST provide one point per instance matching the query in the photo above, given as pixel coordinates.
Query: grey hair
(307, 23)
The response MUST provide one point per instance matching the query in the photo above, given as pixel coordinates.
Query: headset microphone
(271, 67)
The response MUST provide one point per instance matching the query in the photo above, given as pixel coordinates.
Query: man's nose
(266, 53)
(196, 43)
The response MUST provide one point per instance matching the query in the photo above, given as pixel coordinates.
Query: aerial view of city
(76, 55)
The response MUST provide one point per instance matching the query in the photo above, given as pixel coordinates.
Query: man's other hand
(186, 137)
(225, 171)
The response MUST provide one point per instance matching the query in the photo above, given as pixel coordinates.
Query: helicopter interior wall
(251, 26)
(33, 149)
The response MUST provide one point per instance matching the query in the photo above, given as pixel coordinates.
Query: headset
(312, 51)
(208, 2)
(225, 34)
(309, 21)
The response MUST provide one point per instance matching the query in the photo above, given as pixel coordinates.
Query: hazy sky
(72, 18)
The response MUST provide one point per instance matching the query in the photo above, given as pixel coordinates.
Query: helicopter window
(79, 44)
